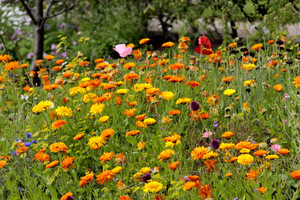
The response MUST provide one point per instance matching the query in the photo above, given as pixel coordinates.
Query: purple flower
(146, 177)
(194, 106)
(62, 25)
(74, 43)
(30, 55)
(15, 153)
(1, 46)
(215, 144)
(16, 33)
(70, 198)
(19, 189)
(63, 55)
(235, 198)
(33, 141)
(53, 47)
(28, 135)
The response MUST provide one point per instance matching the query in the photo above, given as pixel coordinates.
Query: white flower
(25, 97)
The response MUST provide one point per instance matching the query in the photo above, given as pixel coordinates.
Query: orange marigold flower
(78, 137)
(141, 124)
(41, 156)
(24, 65)
(168, 44)
(260, 153)
(295, 175)
(86, 179)
(173, 138)
(227, 134)
(99, 60)
(192, 84)
(141, 117)
(278, 87)
(189, 185)
(52, 164)
(67, 163)
(14, 65)
(60, 62)
(131, 76)
(65, 197)
(252, 174)
(174, 165)
(262, 189)
(57, 124)
(130, 112)
(270, 41)
(283, 151)
(124, 198)
(105, 176)
(199, 152)
(49, 57)
(256, 46)
(205, 192)
(107, 133)
(84, 63)
(59, 146)
(166, 154)
(297, 81)
(109, 86)
(144, 40)
(176, 66)
(106, 157)
(204, 115)
(67, 74)
(247, 145)
(2, 163)
(129, 65)
(57, 68)
(132, 133)
(137, 54)
(102, 65)
(174, 112)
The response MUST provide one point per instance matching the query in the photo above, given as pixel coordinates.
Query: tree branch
(28, 11)
(64, 10)
(46, 13)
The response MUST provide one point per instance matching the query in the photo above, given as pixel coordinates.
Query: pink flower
(122, 50)
(276, 147)
(206, 134)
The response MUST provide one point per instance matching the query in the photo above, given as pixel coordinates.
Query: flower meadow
(170, 124)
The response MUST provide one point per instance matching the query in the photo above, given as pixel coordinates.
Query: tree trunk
(234, 33)
(38, 39)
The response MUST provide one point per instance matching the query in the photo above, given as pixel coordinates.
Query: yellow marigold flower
(145, 170)
(245, 159)
(249, 67)
(89, 97)
(229, 92)
(96, 142)
(228, 174)
(141, 145)
(105, 176)
(42, 106)
(149, 121)
(199, 152)
(106, 157)
(167, 95)
(137, 176)
(2, 163)
(64, 111)
(168, 44)
(76, 90)
(183, 100)
(97, 108)
(210, 154)
(116, 170)
(271, 157)
(166, 154)
(122, 91)
(104, 119)
(153, 187)
(249, 83)
(245, 150)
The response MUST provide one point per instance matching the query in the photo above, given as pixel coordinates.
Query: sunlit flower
(227, 134)
(295, 174)
(106, 157)
(199, 152)
(52, 164)
(2, 163)
(144, 40)
(167, 95)
(252, 174)
(105, 176)
(168, 44)
(64, 111)
(78, 137)
(245, 159)
(67, 163)
(166, 154)
(57, 124)
(97, 108)
(149, 121)
(249, 67)
(153, 187)
(229, 92)
(104, 119)
(130, 112)
(57, 147)
(86, 179)
(272, 157)
(278, 87)
(96, 142)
